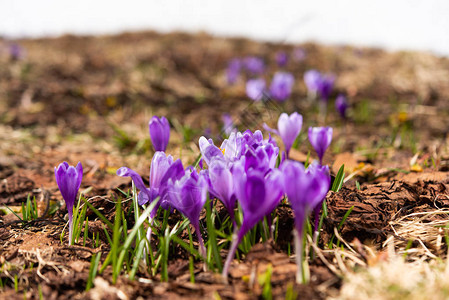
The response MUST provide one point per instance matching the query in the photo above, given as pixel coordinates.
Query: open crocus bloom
(159, 132)
(69, 180)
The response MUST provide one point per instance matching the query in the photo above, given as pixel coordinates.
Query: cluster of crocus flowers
(69, 180)
(242, 170)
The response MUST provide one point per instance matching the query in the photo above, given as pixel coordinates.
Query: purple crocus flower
(233, 70)
(262, 158)
(315, 168)
(281, 59)
(341, 105)
(69, 179)
(16, 52)
(258, 196)
(159, 133)
(325, 86)
(254, 65)
(162, 169)
(305, 190)
(255, 88)
(312, 79)
(320, 138)
(188, 195)
(221, 185)
(281, 85)
(299, 54)
(289, 128)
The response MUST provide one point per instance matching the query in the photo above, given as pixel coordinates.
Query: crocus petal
(269, 129)
(209, 151)
(79, 171)
(159, 166)
(222, 184)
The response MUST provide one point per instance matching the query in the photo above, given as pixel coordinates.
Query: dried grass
(412, 267)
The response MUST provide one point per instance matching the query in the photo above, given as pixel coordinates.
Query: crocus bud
(320, 138)
(325, 86)
(281, 86)
(69, 179)
(305, 190)
(281, 59)
(341, 105)
(254, 65)
(233, 70)
(255, 88)
(289, 128)
(299, 54)
(159, 133)
(312, 80)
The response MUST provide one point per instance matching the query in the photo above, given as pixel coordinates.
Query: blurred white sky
(391, 24)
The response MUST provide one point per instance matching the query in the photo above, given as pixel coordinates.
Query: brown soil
(89, 99)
